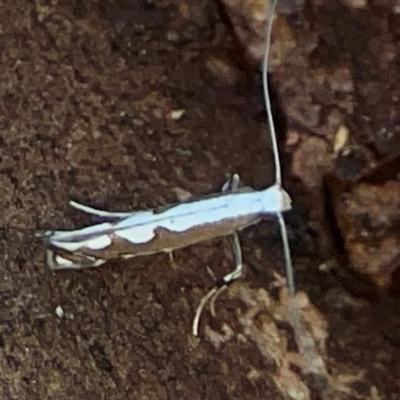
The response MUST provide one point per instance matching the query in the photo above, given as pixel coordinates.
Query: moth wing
(100, 236)
(76, 235)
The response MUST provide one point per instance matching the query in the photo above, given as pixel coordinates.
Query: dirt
(89, 92)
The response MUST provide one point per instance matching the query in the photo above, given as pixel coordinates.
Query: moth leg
(221, 285)
(232, 276)
(172, 263)
(232, 184)
(200, 308)
(211, 273)
(64, 260)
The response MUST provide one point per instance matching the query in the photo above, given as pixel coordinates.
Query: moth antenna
(287, 255)
(275, 149)
(267, 99)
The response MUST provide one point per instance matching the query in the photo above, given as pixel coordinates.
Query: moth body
(165, 229)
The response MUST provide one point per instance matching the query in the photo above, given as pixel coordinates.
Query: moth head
(275, 200)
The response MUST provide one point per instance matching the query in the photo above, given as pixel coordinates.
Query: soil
(89, 92)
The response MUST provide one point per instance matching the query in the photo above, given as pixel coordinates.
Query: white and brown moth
(124, 235)
(165, 229)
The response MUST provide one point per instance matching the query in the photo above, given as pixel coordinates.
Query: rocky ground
(123, 106)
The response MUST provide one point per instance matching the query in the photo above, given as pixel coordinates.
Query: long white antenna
(267, 100)
(274, 141)
(303, 339)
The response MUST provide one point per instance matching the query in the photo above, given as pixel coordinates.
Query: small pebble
(172, 36)
(341, 139)
(96, 134)
(176, 115)
(138, 122)
(59, 312)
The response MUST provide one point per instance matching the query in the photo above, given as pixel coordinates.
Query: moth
(123, 235)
